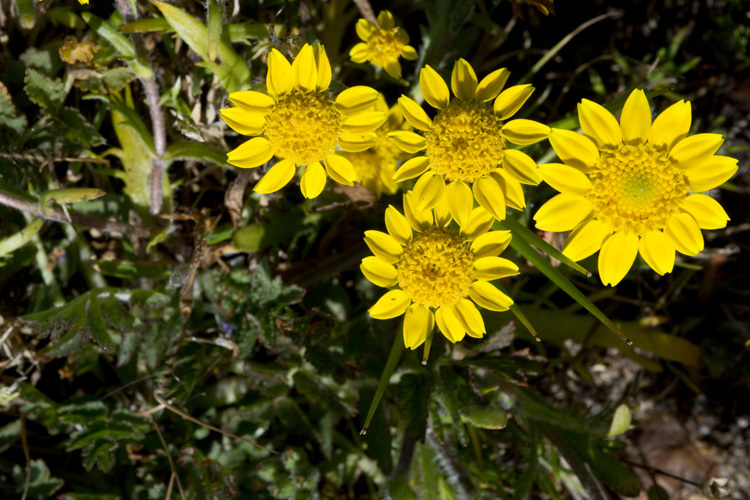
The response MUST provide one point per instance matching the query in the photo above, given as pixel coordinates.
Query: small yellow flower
(375, 167)
(466, 143)
(633, 187)
(431, 269)
(301, 124)
(382, 44)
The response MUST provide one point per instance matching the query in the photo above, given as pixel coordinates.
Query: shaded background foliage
(121, 345)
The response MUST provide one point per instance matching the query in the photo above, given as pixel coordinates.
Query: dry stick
(366, 10)
(157, 118)
(25, 445)
(171, 463)
(54, 214)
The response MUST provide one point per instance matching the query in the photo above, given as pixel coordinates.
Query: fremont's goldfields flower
(634, 187)
(382, 44)
(299, 123)
(375, 166)
(466, 144)
(435, 273)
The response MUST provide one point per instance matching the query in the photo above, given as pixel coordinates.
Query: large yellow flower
(301, 124)
(432, 269)
(466, 144)
(375, 167)
(382, 44)
(632, 187)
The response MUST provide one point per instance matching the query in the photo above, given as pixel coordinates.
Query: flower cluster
(626, 188)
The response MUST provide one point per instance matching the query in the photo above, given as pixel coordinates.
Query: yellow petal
(695, 148)
(276, 178)
(522, 167)
(356, 99)
(354, 142)
(562, 213)
(414, 114)
(463, 80)
(492, 268)
(512, 189)
(359, 52)
(324, 68)
(412, 168)
(397, 225)
(428, 190)
(409, 53)
(616, 257)
(706, 211)
(492, 84)
(384, 246)
(489, 297)
(340, 169)
(685, 234)
(710, 173)
(635, 120)
(491, 244)
(379, 272)
(418, 324)
(672, 125)
(449, 325)
(243, 122)
(313, 180)
(574, 149)
(511, 100)
(433, 87)
(251, 154)
(304, 71)
(586, 239)
(252, 101)
(442, 212)
(385, 20)
(657, 251)
(390, 305)
(489, 195)
(599, 125)
(469, 316)
(279, 79)
(565, 179)
(365, 29)
(420, 220)
(460, 201)
(393, 67)
(408, 141)
(366, 121)
(524, 132)
(480, 221)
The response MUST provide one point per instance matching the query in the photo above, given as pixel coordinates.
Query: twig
(57, 215)
(366, 10)
(235, 196)
(171, 462)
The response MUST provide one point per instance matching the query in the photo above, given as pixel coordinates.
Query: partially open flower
(382, 44)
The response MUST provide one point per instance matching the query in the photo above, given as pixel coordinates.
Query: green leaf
(390, 366)
(66, 17)
(9, 434)
(43, 91)
(213, 25)
(485, 417)
(41, 485)
(196, 151)
(16, 241)
(620, 421)
(206, 477)
(538, 409)
(76, 129)
(241, 32)
(414, 397)
(132, 270)
(26, 13)
(116, 79)
(143, 25)
(120, 42)
(70, 195)
(9, 117)
(46, 60)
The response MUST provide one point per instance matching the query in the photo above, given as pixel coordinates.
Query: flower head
(466, 144)
(435, 272)
(375, 166)
(299, 123)
(382, 44)
(634, 187)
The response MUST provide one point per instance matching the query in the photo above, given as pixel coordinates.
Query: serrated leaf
(414, 397)
(83, 413)
(100, 454)
(43, 91)
(15, 241)
(77, 130)
(45, 60)
(485, 417)
(41, 484)
(116, 79)
(9, 434)
(206, 477)
(9, 117)
(196, 151)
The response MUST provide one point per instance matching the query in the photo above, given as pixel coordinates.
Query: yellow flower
(432, 269)
(382, 44)
(466, 143)
(375, 167)
(299, 123)
(631, 187)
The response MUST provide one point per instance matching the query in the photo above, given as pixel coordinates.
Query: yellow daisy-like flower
(633, 187)
(433, 271)
(375, 167)
(382, 44)
(301, 124)
(466, 144)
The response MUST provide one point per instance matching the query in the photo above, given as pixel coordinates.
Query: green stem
(390, 366)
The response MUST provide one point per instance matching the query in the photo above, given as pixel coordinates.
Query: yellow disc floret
(303, 127)
(465, 141)
(637, 189)
(435, 268)
(385, 45)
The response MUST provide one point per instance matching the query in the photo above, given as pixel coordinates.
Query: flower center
(303, 127)
(436, 268)
(384, 46)
(636, 189)
(465, 141)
